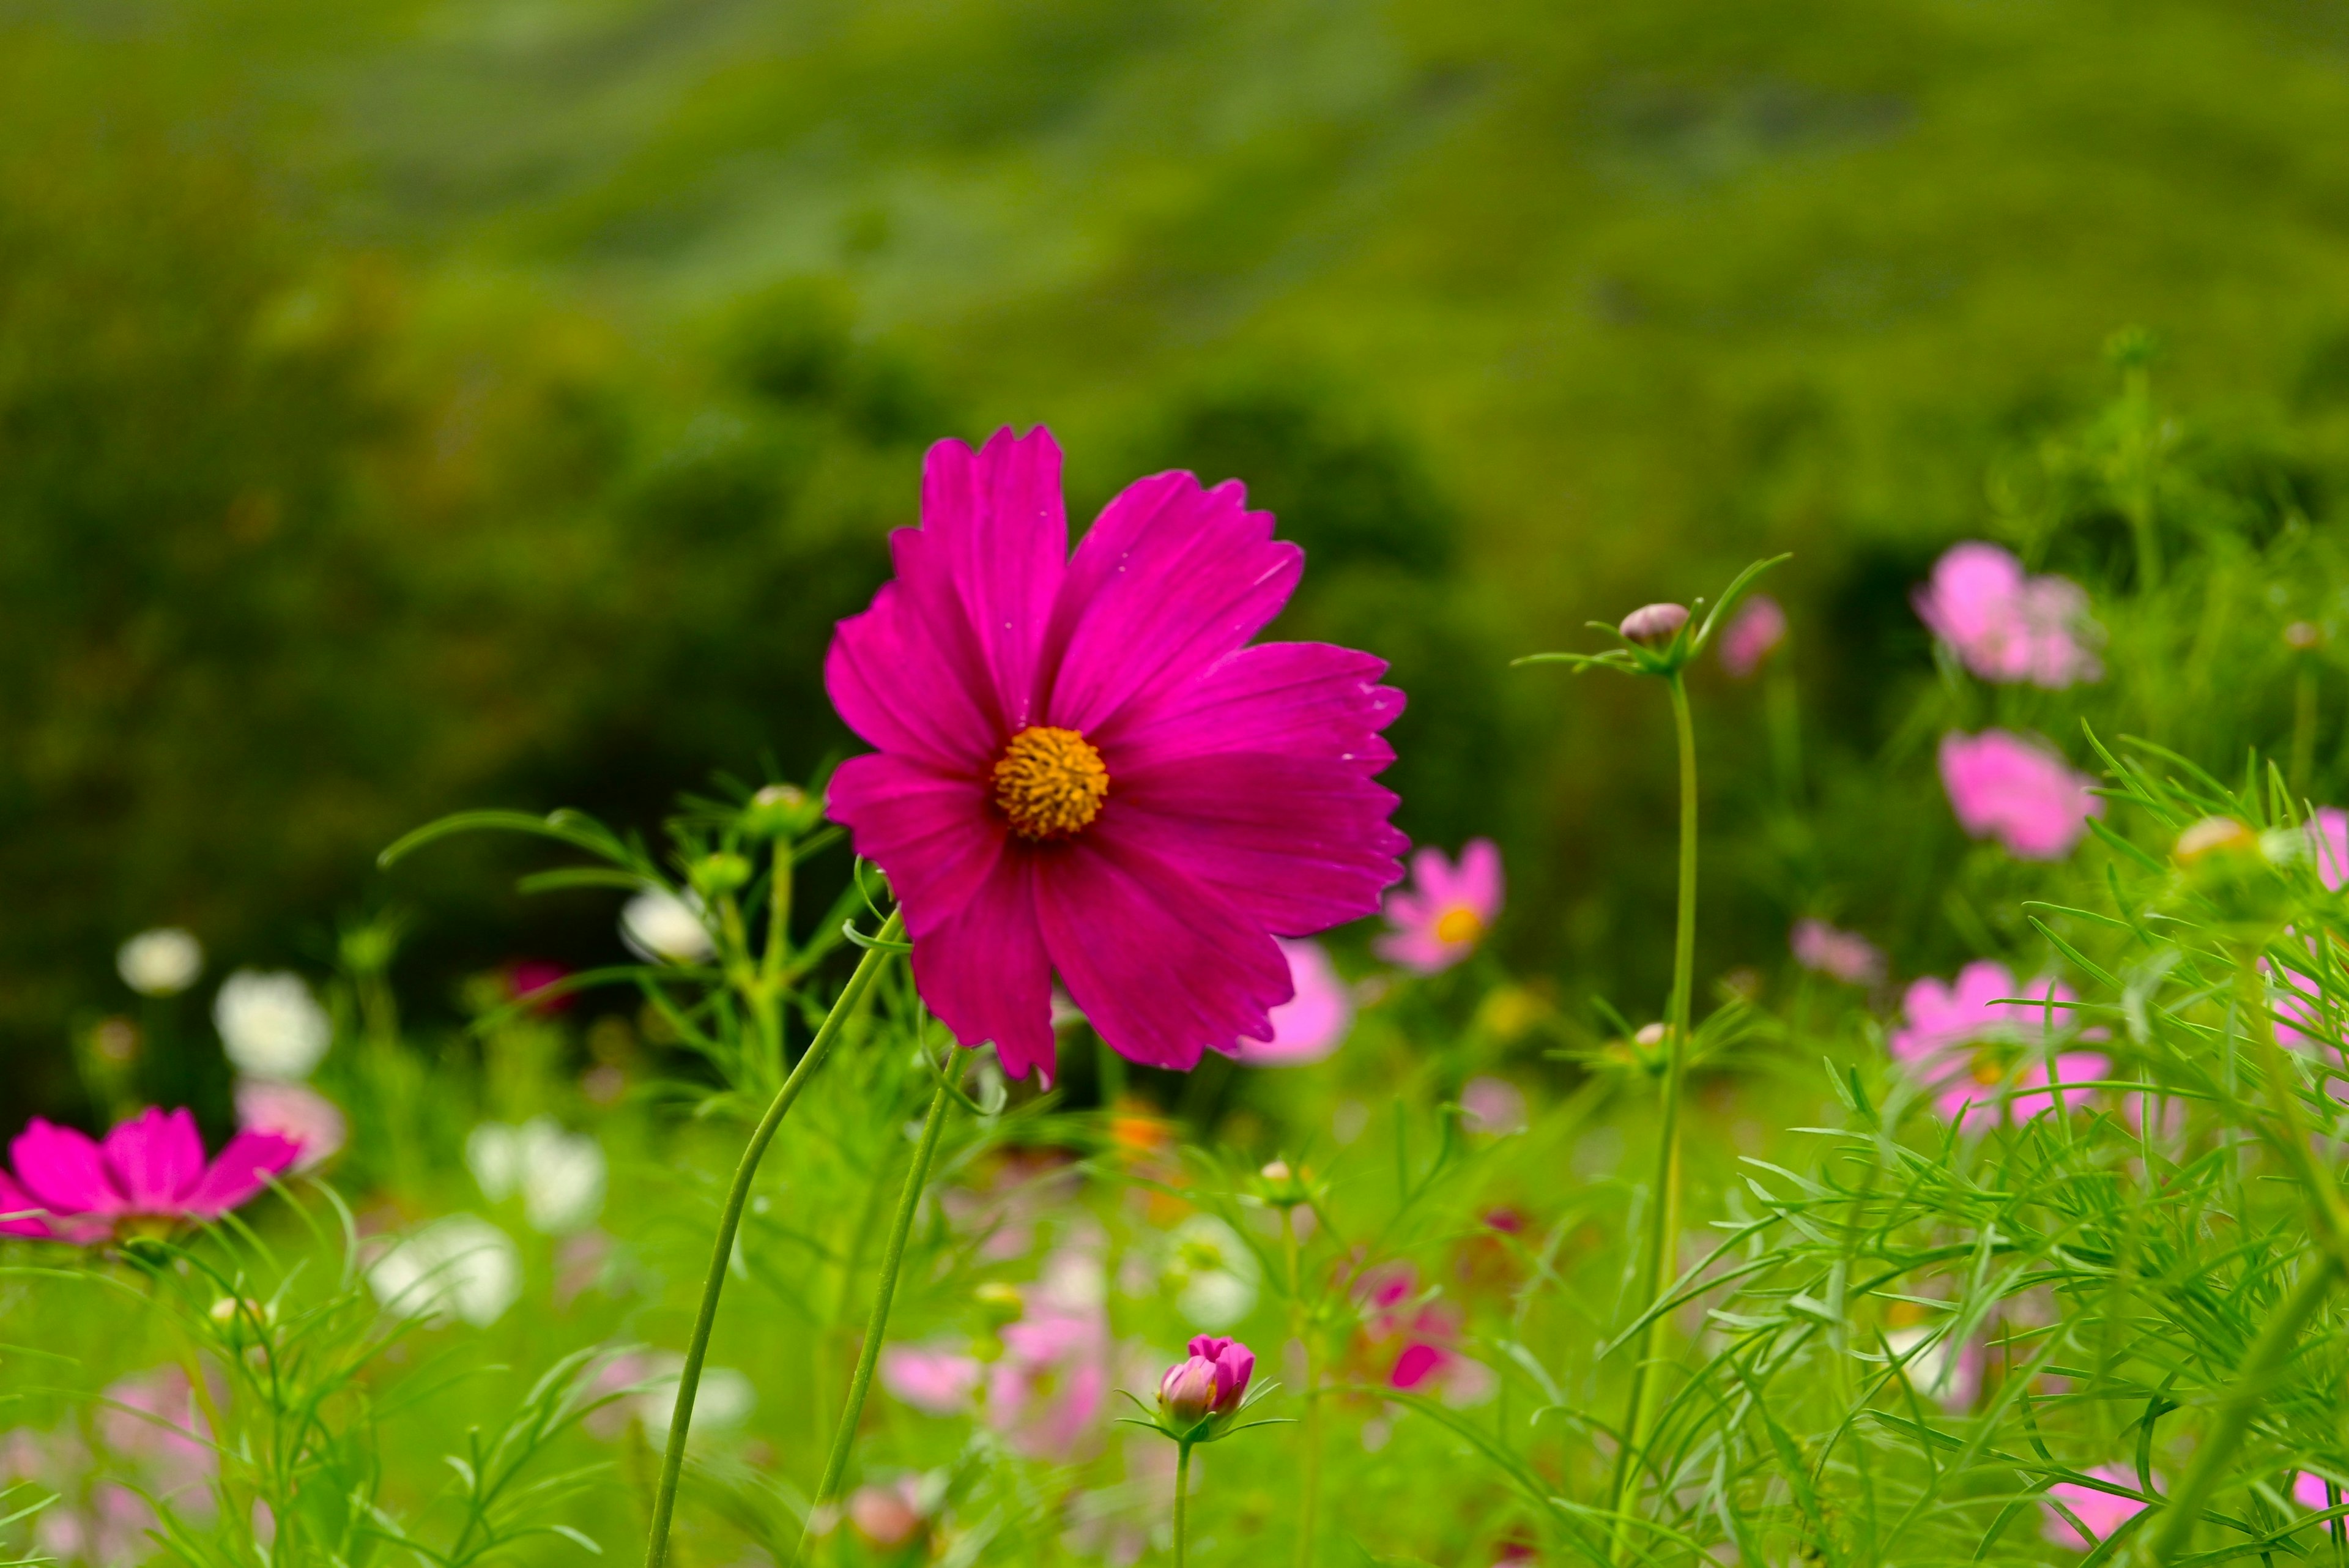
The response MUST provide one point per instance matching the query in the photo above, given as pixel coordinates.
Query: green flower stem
(1182, 1497)
(1664, 1213)
(894, 1257)
(1309, 1506)
(729, 1220)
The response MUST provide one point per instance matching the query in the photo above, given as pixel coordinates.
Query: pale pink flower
(1444, 912)
(295, 1112)
(1654, 623)
(153, 1420)
(2328, 833)
(1752, 635)
(1846, 956)
(2102, 1511)
(2005, 624)
(1310, 1024)
(933, 1379)
(2017, 791)
(1984, 1057)
(1490, 1104)
(887, 1516)
(1045, 1394)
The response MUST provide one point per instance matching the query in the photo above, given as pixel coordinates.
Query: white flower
(560, 1175)
(270, 1024)
(164, 962)
(461, 1266)
(293, 1111)
(658, 926)
(1213, 1274)
(723, 1399)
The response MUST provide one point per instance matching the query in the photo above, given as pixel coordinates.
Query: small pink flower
(1845, 955)
(148, 1171)
(1310, 1024)
(931, 1378)
(1983, 1056)
(2005, 624)
(1752, 636)
(1445, 911)
(1495, 1106)
(1210, 1381)
(2328, 833)
(1048, 1388)
(2017, 791)
(528, 977)
(2102, 1511)
(887, 1516)
(1654, 623)
(1421, 1335)
(152, 1419)
(293, 1111)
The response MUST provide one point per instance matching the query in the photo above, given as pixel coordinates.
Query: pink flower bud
(1234, 1363)
(1187, 1393)
(1654, 623)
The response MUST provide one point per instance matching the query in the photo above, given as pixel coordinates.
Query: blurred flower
(153, 1420)
(2102, 1511)
(528, 977)
(2006, 624)
(1978, 1054)
(560, 1175)
(270, 1024)
(1845, 955)
(1210, 1381)
(1654, 623)
(1925, 1365)
(296, 1112)
(1439, 920)
(1416, 1337)
(890, 1516)
(2328, 833)
(164, 962)
(722, 1400)
(458, 1266)
(1311, 1024)
(1214, 1274)
(1084, 769)
(2308, 1489)
(936, 1379)
(2018, 792)
(1752, 635)
(1492, 1105)
(148, 1175)
(1045, 1393)
(659, 927)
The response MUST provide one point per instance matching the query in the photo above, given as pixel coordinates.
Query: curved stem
(729, 1220)
(885, 1292)
(1182, 1497)
(1664, 1213)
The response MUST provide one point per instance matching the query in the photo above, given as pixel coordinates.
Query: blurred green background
(410, 406)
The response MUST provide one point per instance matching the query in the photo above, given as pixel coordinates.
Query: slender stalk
(2303, 727)
(885, 1292)
(1664, 1213)
(1308, 1505)
(2249, 1388)
(729, 1220)
(1182, 1499)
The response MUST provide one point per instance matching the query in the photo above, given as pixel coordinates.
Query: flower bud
(2302, 635)
(2215, 836)
(1187, 1394)
(1654, 623)
(779, 811)
(998, 1302)
(714, 876)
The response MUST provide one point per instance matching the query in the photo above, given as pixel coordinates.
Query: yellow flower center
(1459, 924)
(1988, 1070)
(1050, 783)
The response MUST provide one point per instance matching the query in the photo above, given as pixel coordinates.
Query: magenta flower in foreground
(148, 1175)
(1083, 768)
(1846, 956)
(2018, 792)
(2005, 624)
(1439, 920)
(1984, 1056)
(1211, 1381)
(2102, 1511)
(1310, 1024)
(1756, 629)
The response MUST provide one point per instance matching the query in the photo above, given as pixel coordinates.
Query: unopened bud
(714, 876)
(1654, 623)
(998, 1302)
(2216, 836)
(778, 811)
(1277, 1171)
(1187, 1392)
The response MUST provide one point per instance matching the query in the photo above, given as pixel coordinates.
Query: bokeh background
(407, 406)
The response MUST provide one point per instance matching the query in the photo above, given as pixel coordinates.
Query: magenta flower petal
(984, 971)
(1276, 695)
(63, 1169)
(933, 831)
(1171, 580)
(17, 1205)
(155, 1158)
(240, 1173)
(991, 552)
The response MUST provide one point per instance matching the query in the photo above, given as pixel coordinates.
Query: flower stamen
(1459, 924)
(1051, 783)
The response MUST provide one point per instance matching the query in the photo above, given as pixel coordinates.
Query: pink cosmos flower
(1980, 1055)
(2308, 1491)
(887, 1517)
(1046, 1389)
(2017, 791)
(1420, 1336)
(1210, 1381)
(2328, 833)
(149, 1173)
(293, 1111)
(936, 1379)
(1085, 769)
(1311, 1024)
(1846, 956)
(1752, 635)
(1439, 920)
(2102, 1511)
(2005, 624)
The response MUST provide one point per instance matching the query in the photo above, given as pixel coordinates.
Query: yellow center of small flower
(1050, 783)
(1988, 1070)
(1459, 924)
